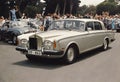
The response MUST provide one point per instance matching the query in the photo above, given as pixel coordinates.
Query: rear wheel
(105, 44)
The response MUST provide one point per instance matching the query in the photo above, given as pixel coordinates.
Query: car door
(99, 34)
(88, 39)
(95, 34)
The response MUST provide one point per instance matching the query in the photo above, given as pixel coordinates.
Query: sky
(90, 2)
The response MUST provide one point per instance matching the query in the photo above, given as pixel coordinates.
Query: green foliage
(111, 0)
(31, 10)
(91, 10)
(87, 9)
(82, 9)
(106, 6)
(30, 7)
(117, 9)
(61, 6)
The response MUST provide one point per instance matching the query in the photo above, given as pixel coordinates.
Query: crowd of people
(2, 20)
(110, 21)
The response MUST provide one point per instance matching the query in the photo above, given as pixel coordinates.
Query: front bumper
(21, 49)
(45, 53)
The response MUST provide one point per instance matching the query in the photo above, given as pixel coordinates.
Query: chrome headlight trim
(24, 41)
(48, 45)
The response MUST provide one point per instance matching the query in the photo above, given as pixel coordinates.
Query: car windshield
(67, 25)
(18, 23)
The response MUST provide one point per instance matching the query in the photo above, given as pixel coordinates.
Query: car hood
(27, 35)
(21, 29)
(57, 35)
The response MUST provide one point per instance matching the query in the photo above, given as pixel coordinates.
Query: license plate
(35, 52)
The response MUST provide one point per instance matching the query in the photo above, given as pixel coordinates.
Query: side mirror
(89, 28)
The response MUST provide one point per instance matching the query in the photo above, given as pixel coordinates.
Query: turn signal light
(54, 44)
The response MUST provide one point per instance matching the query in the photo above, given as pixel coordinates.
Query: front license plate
(34, 52)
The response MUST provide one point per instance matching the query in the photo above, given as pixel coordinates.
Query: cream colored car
(68, 38)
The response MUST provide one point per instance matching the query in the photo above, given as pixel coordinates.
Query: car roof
(85, 20)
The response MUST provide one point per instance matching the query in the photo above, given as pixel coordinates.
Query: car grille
(32, 43)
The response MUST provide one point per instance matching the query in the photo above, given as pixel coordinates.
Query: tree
(4, 8)
(23, 5)
(82, 10)
(32, 10)
(91, 10)
(61, 6)
(35, 6)
(108, 6)
(87, 10)
(111, 0)
(117, 9)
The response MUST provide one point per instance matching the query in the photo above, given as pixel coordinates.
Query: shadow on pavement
(90, 54)
(51, 64)
(48, 64)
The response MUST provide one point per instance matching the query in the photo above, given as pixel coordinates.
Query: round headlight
(48, 45)
(24, 41)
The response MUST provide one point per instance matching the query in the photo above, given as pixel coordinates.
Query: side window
(89, 25)
(98, 26)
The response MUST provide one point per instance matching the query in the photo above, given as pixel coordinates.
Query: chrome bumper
(45, 53)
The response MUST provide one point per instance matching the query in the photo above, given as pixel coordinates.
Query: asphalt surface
(94, 66)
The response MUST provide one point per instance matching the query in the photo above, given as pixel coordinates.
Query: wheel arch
(75, 45)
(107, 38)
(16, 33)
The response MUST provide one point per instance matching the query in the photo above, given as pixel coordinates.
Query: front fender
(64, 45)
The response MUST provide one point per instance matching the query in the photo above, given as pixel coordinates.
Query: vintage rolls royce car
(66, 39)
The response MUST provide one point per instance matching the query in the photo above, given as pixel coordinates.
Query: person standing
(47, 21)
(2, 21)
(13, 11)
(23, 16)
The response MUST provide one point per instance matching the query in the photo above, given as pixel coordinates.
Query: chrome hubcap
(105, 44)
(70, 54)
(14, 39)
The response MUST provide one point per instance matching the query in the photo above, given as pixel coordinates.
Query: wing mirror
(89, 28)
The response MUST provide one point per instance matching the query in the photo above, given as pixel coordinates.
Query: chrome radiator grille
(33, 43)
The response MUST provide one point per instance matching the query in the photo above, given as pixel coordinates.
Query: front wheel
(70, 55)
(0, 37)
(31, 57)
(14, 41)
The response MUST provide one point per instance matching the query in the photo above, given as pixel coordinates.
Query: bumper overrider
(21, 49)
(45, 53)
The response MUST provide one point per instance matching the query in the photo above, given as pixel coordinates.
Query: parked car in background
(3, 30)
(33, 23)
(66, 39)
(12, 29)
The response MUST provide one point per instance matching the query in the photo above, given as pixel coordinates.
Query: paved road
(94, 66)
